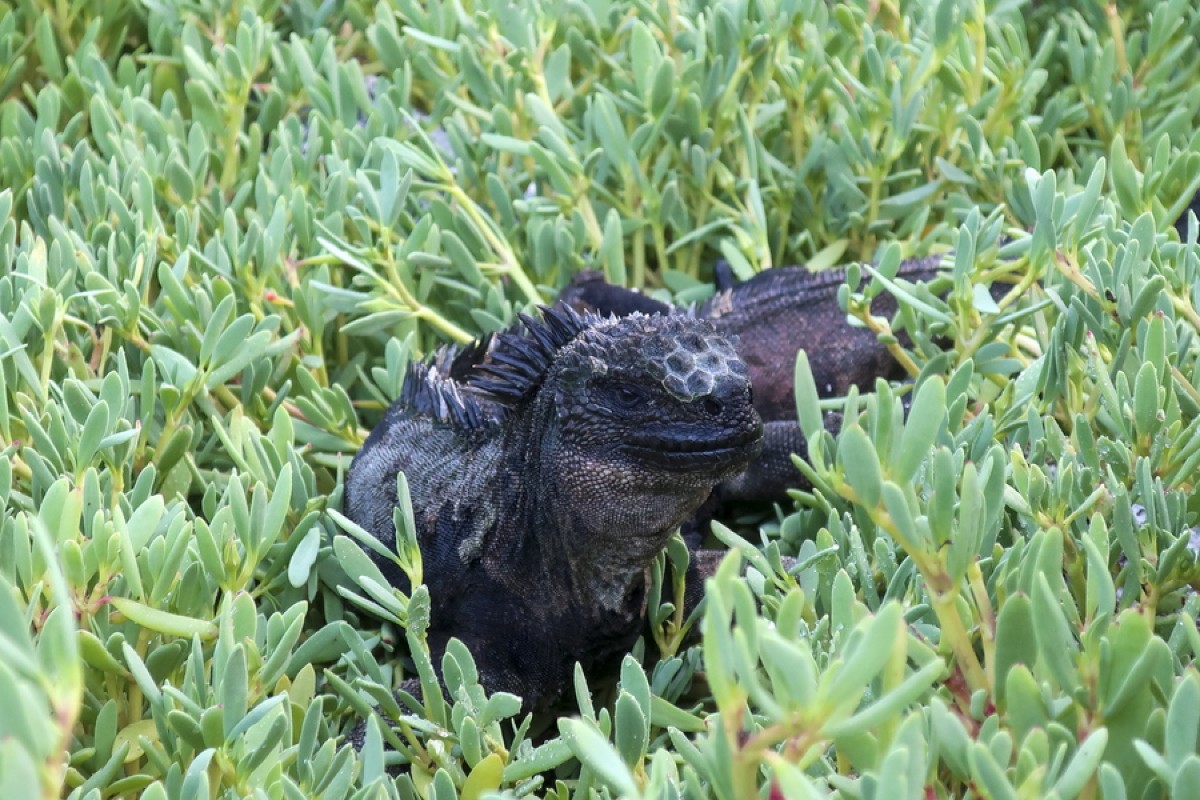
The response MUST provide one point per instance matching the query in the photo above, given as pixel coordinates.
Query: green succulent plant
(228, 226)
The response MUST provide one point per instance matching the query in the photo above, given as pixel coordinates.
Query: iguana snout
(716, 434)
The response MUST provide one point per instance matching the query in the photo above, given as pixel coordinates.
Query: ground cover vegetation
(226, 227)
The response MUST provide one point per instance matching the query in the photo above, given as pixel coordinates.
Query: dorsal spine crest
(428, 389)
(506, 367)
(519, 360)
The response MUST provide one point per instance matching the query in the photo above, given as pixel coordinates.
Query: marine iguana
(547, 468)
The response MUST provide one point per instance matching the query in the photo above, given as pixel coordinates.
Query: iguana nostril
(712, 405)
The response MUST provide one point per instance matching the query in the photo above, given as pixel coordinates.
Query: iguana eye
(627, 396)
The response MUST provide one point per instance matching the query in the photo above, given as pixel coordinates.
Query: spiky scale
(428, 390)
(516, 360)
(539, 333)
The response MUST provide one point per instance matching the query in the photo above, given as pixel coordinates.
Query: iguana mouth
(692, 452)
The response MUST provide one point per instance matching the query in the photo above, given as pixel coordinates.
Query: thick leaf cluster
(228, 227)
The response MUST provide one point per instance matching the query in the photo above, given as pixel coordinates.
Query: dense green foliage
(226, 227)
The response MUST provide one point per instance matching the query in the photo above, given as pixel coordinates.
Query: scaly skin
(547, 470)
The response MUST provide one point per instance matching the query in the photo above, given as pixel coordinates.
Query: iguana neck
(591, 542)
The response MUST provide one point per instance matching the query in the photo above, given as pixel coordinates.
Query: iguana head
(634, 418)
(664, 397)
